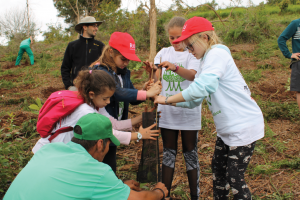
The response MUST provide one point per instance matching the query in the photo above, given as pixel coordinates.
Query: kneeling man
(75, 170)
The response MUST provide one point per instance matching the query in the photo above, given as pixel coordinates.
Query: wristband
(166, 101)
(177, 67)
(139, 136)
(161, 191)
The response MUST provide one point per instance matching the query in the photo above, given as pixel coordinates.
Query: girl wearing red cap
(96, 87)
(238, 119)
(114, 60)
(178, 72)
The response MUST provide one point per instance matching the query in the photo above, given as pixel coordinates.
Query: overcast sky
(44, 12)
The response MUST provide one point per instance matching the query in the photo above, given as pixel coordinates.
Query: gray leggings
(229, 164)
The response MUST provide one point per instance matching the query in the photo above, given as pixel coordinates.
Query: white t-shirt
(72, 119)
(174, 117)
(238, 119)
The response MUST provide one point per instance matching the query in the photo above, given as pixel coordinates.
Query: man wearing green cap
(75, 170)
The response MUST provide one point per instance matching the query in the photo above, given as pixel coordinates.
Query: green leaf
(39, 103)
(34, 107)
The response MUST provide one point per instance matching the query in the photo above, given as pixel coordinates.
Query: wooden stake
(156, 123)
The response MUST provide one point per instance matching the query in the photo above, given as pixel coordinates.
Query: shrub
(253, 26)
(55, 34)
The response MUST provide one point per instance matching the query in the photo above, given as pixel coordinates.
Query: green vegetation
(259, 26)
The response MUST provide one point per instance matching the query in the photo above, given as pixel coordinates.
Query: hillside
(252, 36)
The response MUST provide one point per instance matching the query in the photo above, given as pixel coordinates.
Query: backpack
(59, 105)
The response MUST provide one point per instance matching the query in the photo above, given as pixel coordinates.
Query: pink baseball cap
(125, 44)
(193, 26)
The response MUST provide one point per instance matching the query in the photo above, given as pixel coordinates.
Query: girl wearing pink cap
(114, 61)
(238, 119)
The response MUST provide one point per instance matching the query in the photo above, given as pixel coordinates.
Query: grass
(252, 75)
(282, 110)
(238, 12)
(16, 142)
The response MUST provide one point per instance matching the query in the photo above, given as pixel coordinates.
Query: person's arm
(66, 68)
(189, 104)
(122, 125)
(285, 35)
(188, 74)
(126, 137)
(155, 194)
(202, 86)
(131, 95)
(31, 41)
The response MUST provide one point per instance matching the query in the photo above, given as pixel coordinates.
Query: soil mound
(49, 90)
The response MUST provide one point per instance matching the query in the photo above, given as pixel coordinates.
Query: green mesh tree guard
(149, 167)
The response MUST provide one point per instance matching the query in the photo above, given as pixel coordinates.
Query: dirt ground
(271, 87)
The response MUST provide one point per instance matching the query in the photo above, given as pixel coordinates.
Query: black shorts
(295, 76)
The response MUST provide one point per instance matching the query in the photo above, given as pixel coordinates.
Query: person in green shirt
(25, 46)
(75, 170)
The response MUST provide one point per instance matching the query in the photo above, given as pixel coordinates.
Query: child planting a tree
(238, 119)
(114, 60)
(179, 68)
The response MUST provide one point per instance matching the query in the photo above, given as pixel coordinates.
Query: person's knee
(191, 160)
(169, 157)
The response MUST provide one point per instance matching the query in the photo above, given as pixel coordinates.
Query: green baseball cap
(94, 127)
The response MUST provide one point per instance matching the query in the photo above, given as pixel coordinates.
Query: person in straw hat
(82, 52)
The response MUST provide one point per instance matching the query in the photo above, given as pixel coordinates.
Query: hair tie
(90, 71)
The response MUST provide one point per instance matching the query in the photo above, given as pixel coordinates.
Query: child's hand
(168, 65)
(149, 66)
(147, 133)
(148, 85)
(155, 89)
(160, 99)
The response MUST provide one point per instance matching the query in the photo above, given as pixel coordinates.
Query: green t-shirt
(66, 171)
(25, 42)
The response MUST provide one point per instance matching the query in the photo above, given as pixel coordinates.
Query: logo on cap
(132, 46)
(184, 27)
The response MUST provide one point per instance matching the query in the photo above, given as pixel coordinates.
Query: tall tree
(14, 25)
(153, 30)
(28, 26)
(73, 10)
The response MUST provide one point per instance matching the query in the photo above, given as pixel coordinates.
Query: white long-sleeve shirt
(71, 120)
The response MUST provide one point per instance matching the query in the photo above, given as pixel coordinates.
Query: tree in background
(73, 10)
(15, 25)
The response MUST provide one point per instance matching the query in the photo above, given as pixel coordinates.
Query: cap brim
(180, 39)
(131, 56)
(115, 140)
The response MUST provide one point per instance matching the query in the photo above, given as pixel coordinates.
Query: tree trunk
(28, 24)
(152, 16)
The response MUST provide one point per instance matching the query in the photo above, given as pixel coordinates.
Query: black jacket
(127, 94)
(79, 53)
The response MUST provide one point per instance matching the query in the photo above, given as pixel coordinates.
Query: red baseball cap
(193, 26)
(125, 44)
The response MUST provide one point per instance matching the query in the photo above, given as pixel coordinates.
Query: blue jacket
(127, 94)
(292, 31)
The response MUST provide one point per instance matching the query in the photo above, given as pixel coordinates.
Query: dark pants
(110, 158)
(295, 76)
(229, 164)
